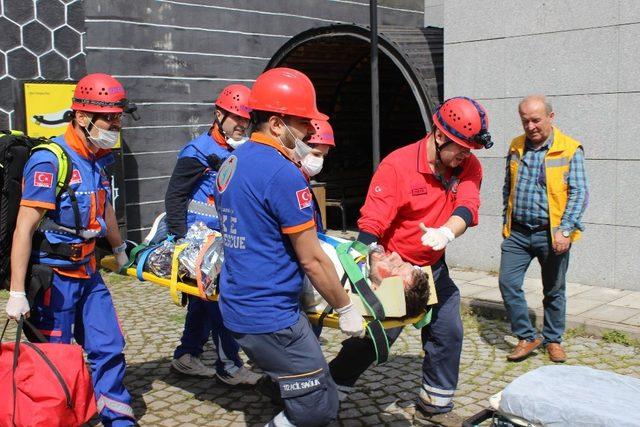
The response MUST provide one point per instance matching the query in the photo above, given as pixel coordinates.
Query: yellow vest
(556, 163)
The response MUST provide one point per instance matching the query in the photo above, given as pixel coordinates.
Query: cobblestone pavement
(152, 326)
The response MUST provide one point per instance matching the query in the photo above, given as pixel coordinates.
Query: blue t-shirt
(261, 197)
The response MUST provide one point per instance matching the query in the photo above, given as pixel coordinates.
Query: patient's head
(415, 281)
(386, 264)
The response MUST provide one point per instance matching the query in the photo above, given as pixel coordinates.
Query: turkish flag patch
(304, 198)
(43, 179)
(76, 178)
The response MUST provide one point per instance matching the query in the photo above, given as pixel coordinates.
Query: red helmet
(99, 93)
(464, 121)
(233, 99)
(323, 135)
(285, 91)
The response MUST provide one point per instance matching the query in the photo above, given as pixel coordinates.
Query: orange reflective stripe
(76, 273)
(299, 228)
(37, 204)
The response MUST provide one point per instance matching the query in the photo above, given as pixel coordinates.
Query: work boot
(191, 366)
(446, 419)
(523, 349)
(556, 352)
(242, 376)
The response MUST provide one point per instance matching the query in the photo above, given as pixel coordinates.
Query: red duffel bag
(43, 384)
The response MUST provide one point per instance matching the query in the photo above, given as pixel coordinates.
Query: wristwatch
(566, 233)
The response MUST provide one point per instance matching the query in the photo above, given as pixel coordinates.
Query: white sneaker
(192, 366)
(242, 376)
(158, 230)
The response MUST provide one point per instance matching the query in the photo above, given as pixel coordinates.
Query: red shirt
(405, 192)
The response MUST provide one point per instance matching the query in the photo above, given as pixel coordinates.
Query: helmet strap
(225, 114)
(439, 147)
(87, 129)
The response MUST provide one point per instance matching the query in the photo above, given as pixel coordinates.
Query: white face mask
(301, 149)
(106, 139)
(312, 165)
(235, 144)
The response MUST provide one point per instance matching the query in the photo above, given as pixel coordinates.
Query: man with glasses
(56, 234)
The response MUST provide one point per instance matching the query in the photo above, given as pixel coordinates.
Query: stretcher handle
(175, 267)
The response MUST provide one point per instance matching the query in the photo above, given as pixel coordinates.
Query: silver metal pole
(375, 96)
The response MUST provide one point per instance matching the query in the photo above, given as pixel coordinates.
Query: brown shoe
(556, 353)
(523, 349)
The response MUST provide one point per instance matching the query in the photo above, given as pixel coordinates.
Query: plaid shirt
(531, 207)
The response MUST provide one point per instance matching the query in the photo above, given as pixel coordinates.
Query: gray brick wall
(175, 56)
(584, 54)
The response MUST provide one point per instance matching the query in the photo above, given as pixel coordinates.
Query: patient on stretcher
(402, 288)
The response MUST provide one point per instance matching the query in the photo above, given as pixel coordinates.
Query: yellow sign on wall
(45, 104)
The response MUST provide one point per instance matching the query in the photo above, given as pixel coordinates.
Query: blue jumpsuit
(203, 317)
(78, 304)
(261, 279)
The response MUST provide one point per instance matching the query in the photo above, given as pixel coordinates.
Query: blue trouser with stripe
(293, 359)
(204, 319)
(83, 309)
(518, 250)
(441, 341)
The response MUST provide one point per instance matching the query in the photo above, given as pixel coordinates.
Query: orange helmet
(233, 99)
(286, 91)
(323, 135)
(464, 121)
(99, 93)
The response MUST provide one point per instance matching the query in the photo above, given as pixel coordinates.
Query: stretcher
(176, 287)
(369, 303)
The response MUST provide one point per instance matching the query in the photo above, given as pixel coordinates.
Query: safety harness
(360, 286)
(65, 250)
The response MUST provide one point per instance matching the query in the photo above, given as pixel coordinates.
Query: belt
(526, 229)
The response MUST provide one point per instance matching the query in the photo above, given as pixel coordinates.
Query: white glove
(121, 255)
(17, 305)
(437, 238)
(351, 321)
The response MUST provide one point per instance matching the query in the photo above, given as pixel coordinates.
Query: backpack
(15, 150)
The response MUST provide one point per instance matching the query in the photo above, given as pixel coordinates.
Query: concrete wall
(434, 13)
(585, 55)
(174, 58)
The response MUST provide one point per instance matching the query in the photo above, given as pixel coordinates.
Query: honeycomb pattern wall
(41, 39)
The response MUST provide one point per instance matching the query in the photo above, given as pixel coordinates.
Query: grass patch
(113, 278)
(178, 318)
(617, 337)
(577, 332)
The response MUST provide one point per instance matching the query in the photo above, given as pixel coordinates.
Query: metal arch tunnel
(337, 59)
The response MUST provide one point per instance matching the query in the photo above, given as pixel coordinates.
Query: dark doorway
(337, 60)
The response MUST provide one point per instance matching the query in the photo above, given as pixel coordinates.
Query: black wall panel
(173, 57)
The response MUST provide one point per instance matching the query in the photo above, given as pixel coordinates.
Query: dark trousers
(204, 320)
(293, 359)
(441, 341)
(518, 250)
